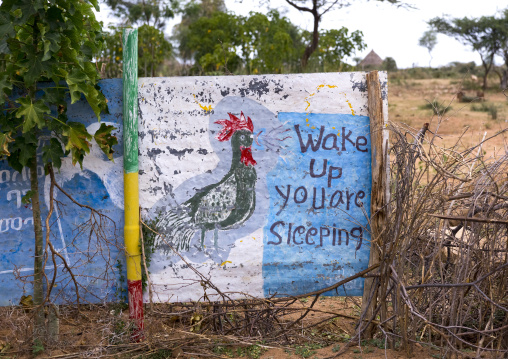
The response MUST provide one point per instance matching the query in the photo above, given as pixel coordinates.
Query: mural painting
(99, 184)
(261, 183)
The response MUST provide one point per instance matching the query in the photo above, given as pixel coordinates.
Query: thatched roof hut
(372, 60)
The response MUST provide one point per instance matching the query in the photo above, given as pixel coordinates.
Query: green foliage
(429, 41)
(491, 109)
(214, 41)
(153, 50)
(38, 347)
(149, 237)
(44, 41)
(251, 351)
(333, 46)
(438, 108)
(486, 35)
(307, 350)
(389, 64)
(260, 43)
(147, 12)
(121, 287)
(159, 354)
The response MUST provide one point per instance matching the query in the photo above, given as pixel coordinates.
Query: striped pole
(131, 183)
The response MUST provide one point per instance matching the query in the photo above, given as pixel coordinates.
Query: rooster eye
(242, 137)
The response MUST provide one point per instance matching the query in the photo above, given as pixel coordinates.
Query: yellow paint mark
(333, 128)
(306, 120)
(254, 238)
(308, 125)
(205, 108)
(308, 105)
(241, 241)
(313, 127)
(350, 106)
(223, 263)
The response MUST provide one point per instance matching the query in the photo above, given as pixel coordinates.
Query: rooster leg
(203, 238)
(216, 238)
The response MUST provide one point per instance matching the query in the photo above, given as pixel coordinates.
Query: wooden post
(379, 194)
(131, 181)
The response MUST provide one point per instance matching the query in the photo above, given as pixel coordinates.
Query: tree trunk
(309, 50)
(38, 296)
(486, 66)
(504, 79)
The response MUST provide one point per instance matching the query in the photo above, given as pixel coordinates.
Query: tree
(192, 12)
(271, 43)
(429, 41)
(149, 12)
(213, 43)
(153, 50)
(482, 34)
(43, 41)
(318, 8)
(334, 45)
(502, 26)
(389, 64)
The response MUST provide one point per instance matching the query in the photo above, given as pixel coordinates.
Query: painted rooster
(223, 205)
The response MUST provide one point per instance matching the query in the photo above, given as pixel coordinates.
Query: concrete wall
(289, 215)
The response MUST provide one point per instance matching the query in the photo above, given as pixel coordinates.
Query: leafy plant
(149, 237)
(43, 42)
(37, 347)
(307, 350)
(438, 108)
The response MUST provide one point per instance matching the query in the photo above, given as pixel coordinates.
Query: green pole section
(131, 182)
(130, 100)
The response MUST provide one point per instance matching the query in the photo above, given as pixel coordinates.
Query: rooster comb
(232, 125)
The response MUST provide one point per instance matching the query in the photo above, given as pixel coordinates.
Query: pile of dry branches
(441, 280)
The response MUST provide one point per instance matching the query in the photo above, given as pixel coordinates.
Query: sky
(388, 30)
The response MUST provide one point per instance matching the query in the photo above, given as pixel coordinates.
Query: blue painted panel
(99, 184)
(316, 232)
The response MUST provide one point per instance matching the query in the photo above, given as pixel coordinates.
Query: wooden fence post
(379, 194)
(131, 181)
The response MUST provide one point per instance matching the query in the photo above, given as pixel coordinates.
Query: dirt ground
(407, 100)
(100, 332)
(86, 332)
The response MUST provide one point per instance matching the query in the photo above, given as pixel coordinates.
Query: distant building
(371, 62)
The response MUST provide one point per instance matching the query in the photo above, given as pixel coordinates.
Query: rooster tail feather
(177, 228)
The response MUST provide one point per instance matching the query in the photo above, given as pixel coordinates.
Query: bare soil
(407, 99)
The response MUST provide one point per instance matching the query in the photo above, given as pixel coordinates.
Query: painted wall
(100, 185)
(272, 202)
(299, 225)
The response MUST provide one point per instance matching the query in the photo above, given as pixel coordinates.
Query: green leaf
(51, 45)
(5, 86)
(53, 153)
(22, 152)
(76, 80)
(33, 113)
(106, 140)
(35, 68)
(5, 138)
(77, 136)
(27, 198)
(6, 27)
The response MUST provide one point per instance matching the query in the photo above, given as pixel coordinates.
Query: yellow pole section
(131, 229)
